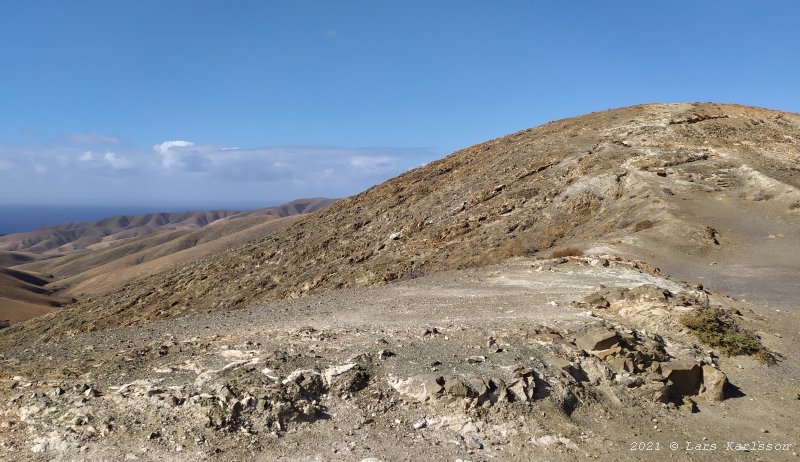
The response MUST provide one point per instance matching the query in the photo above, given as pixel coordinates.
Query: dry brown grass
(567, 252)
(643, 225)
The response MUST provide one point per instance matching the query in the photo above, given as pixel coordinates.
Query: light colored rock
(420, 388)
(332, 372)
(714, 381)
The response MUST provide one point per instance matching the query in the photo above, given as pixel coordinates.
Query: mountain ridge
(579, 180)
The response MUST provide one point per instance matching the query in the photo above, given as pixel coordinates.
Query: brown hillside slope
(69, 237)
(102, 268)
(116, 272)
(8, 259)
(23, 295)
(592, 178)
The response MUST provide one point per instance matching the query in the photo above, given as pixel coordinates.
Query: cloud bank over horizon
(89, 169)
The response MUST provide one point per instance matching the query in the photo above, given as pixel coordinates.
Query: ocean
(17, 218)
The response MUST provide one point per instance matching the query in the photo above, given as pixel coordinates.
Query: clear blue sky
(203, 103)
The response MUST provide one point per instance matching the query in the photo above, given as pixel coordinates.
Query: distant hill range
(69, 237)
(56, 265)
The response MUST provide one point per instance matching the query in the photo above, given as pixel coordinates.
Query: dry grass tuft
(643, 225)
(567, 252)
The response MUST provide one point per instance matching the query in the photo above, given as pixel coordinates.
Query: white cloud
(116, 162)
(165, 147)
(174, 169)
(174, 153)
(370, 164)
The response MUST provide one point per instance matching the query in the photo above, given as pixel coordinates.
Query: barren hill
(69, 237)
(131, 248)
(24, 295)
(639, 179)
(485, 345)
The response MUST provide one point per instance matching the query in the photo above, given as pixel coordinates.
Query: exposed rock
(420, 388)
(685, 376)
(596, 338)
(714, 381)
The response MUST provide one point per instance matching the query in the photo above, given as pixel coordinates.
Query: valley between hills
(596, 288)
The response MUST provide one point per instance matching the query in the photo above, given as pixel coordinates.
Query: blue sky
(207, 103)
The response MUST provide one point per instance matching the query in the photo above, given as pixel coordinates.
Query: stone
(332, 372)
(420, 424)
(476, 359)
(596, 338)
(518, 391)
(472, 442)
(596, 300)
(685, 376)
(420, 388)
(714, 381)
(384, 354)
(311, 382)
(605, 354)
(455, 386)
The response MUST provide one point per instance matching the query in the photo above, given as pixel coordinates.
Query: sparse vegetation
(794, 206)
(763, 196)
(716, 328)
(567, 252)
(643, 225)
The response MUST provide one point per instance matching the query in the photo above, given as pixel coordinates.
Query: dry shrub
(716, 328)
(643, 225)
(567, 252)
(794, 206)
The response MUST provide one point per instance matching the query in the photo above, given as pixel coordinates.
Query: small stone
(476, 359)
(420, 424)
(384, 354)
(472, 442)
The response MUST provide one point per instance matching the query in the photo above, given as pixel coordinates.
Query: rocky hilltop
(627, 176)
(594, 288)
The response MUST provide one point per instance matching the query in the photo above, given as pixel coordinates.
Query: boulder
(686, 376)
(420, 388)
(456, 386)
(596, 338)
(714, 381)
(596, 300)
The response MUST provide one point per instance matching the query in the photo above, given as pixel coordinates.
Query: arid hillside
(70, 273)
(596, 288)
(639, 180)
(69, 237)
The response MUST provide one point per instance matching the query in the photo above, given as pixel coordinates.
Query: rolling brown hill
(24, 295)
(681, 183)
(74, 273)
(69, 237)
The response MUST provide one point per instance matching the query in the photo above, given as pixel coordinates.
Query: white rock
(335, 371)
